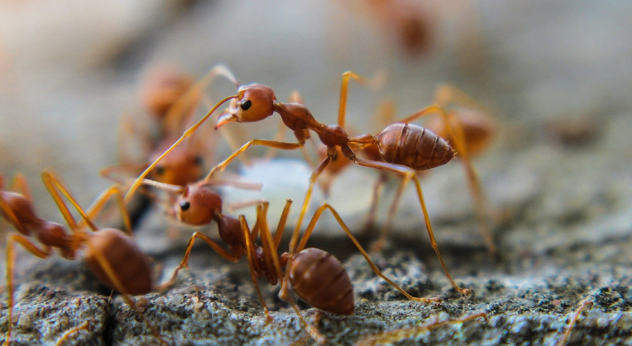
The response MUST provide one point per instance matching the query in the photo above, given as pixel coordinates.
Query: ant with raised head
(306, 267)
(111, 254)
(405, 148)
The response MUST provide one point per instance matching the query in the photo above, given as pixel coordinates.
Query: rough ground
(562, 205)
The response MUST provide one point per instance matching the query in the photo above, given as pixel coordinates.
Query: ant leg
(21, 185)
(185, 260)
(110, 172)
(393, 336)
(53, 184)
(100, 202)
(281, 226)
(116, 282)
(392, 210)
(376, 81)
(474, 183)
(280, 145)
(583, 304)
(186, 134)
(253, 265)
(84, 326)
(308, 233)
(375, 199)
(408, 174)
(321, 167)
(30, 247)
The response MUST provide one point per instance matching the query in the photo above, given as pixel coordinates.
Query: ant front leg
(30, 247)
(474, 184)
(310, 229)
(409, 174)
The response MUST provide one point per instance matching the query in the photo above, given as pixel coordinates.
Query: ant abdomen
(319, 279)
(413, 146)
(124, 258)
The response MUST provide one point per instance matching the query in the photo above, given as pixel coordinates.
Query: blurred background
(555, 75)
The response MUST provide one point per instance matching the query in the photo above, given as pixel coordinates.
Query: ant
(477, 128)
(405, 148)
(111, 254)
(171, 98)
(306, 270)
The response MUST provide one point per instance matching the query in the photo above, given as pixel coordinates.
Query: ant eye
(160, 170)
(246, 105)
(185, 206)
(198, 160)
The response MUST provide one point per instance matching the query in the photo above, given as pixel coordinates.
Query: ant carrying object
(315, 275)
(405, 148)
(111, 254)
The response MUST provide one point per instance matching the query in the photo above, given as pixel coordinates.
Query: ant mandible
(306, 267)
(405, 148)
(111, 254)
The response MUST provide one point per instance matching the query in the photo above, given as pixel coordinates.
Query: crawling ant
(315, 275)
(111, 254)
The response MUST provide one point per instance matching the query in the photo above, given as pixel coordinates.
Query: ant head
(254, 102)
(197, 205)
(180, 167)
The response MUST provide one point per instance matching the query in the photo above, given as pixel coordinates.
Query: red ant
(477, 128)
(306, 267)
(111, 254)
(171, 98)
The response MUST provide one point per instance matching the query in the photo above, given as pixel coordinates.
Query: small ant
(111, 254)
(405, 148)
(307, 268)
